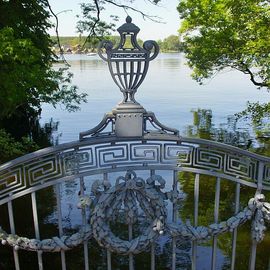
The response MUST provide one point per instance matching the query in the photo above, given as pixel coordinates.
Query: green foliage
(227, 34)
(27, 76)
(170, 44)
(114, 39)
(259, 114)
(69, 41)
(256, 112)
(10, 148)
(90, 22)
(203, 127)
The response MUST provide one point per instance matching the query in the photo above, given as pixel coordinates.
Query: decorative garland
(129, 191)
(257, 207)
(54, 244)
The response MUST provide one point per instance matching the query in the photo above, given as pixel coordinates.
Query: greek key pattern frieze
(145, 152)
(205, 158)
(241, 166)
(78, 160)
(180, 153)
(87, 158)
(108, 155)
(11, 180)
(40, 171)
(221, 161)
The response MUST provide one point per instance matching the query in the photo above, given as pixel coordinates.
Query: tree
(91, 19)
(26, 57)
(27, 76)
(225, 34)
(171, 43)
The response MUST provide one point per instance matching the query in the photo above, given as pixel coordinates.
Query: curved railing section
(88, 157)
(137, 195)
(133, 147)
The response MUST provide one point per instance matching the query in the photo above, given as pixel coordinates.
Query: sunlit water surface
(169, 91)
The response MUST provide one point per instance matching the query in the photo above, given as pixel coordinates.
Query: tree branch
(98, 17)
(153, 2)
(123, 6)
(56, 31)
(144, 15)
(246, 70)
(252, 78)
(92, 30)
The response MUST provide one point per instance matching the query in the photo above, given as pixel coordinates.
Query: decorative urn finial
(128, 62)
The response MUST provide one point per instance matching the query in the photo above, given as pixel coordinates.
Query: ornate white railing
(139, 167)
(103, 198)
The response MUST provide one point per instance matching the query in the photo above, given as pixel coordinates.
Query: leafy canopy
(220, 34)
(170, 43)
(10, 148)
(27, 76)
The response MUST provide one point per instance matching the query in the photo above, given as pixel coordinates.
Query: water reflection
(170, 93)
(232, 132)
(43, 135)
(167, 90)
(239, 133)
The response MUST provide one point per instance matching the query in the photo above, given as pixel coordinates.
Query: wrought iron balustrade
(129, 175)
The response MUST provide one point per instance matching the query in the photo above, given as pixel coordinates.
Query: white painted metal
(60, 226)
(216, 212)
(167, 154)
(12, 229)
(37, 234)
(131, 146)
(84, 222)
(234, 234)
(153, 255)
(196, 213)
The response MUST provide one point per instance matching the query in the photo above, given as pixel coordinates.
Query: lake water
(168, 90)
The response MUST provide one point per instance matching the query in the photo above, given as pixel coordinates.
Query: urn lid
(128, 27)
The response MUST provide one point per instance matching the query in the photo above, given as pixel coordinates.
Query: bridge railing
(132, 191)
(164, 162)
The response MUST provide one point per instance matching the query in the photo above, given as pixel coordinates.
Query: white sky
(149, 29)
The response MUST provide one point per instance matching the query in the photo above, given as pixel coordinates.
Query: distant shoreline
(77, 45)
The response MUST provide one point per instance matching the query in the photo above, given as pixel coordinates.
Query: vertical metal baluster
(237, 200)
(12, 230)
(120, 76)
(138, 73)
(125, 74)
(131, 70)
(109, 260)
(37, 234)
(109, 255)
(252, 261)
(131, 262)
(153, 259)
(153, 263)
(216, 212)
(60, 226)
(174, 219)
(175, 184)
(173, 253)
(83, 212)
(196, 211)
